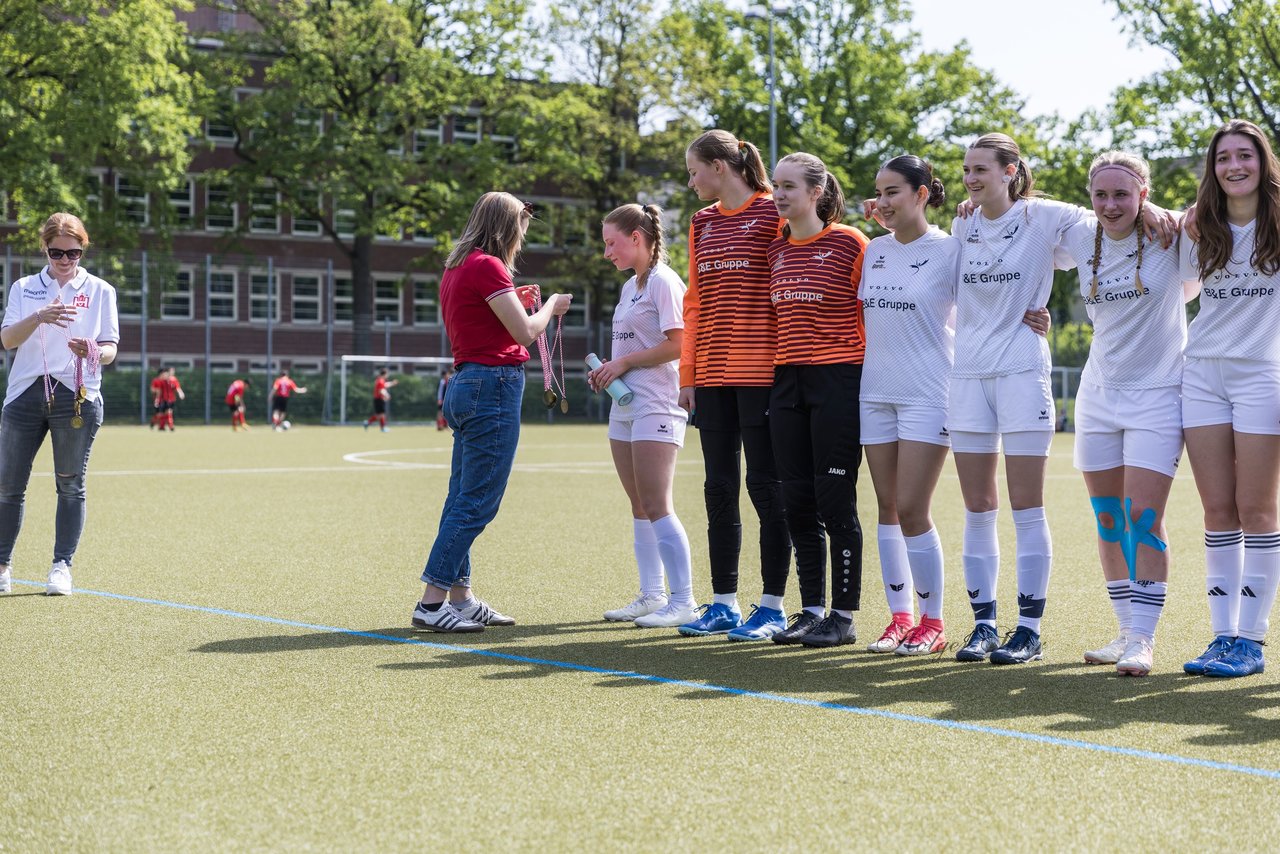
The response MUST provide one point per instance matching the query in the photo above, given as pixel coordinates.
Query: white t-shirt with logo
(908, 305)
(1138, 334)
(1006, 269)
(1239, 306)
(95, 303)
(640, 321)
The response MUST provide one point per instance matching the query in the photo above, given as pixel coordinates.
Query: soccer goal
(410, 398)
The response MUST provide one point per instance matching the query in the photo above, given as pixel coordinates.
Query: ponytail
(831, 205)
(648, 221)
(739, 155)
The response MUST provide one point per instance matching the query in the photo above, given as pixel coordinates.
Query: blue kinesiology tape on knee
(1138, 533)
(1117, 531)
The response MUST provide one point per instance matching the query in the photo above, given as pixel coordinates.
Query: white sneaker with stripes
(480, 612)
(6, 580)
(59, 580)
(446, 619)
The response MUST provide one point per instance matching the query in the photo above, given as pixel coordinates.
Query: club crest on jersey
(81, 301)
(778, 262)
(747, 226)
(706, 232)
(879, 263)
(915, 268)
(1008, 235)
(821, 257)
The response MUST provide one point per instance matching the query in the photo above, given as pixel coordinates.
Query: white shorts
(1139, 427)
(650, 428)
(1018, 407)
(881, 423)
(1244, 394)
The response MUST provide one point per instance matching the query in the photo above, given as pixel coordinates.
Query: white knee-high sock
(1034, 560)
(648, 558)
(1224, 573)
(1120, 603)
(895, 570)
(673, 545)
(981, 557)
(1148, 603)
(1258, 590)
(924, 553)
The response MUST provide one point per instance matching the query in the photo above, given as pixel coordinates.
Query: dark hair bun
(937, 194)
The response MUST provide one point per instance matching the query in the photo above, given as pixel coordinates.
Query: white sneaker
(59, 580)
(643, 605)
(6, 580)
(1109, 654)
(1137, 658)
(480, 612)
(444, 619)
(669, 616)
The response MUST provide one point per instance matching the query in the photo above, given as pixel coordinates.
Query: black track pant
(733, 421)
(813, 420)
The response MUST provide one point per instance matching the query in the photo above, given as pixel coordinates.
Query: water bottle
(617, 389)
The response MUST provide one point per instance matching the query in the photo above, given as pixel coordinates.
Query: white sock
(1258, 590)
(848, 615)
(924, 553)
(730, 599)
(1034, 560)
(1148, 602)
(981, 558)
(895, 570)
(673, 545)
(774, 602)
(648, 558)
(817, 610)
(1224, 574)
(1119, 593)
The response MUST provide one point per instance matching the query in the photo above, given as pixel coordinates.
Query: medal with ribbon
(531, 298)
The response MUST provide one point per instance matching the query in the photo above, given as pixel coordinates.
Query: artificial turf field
(236, 672)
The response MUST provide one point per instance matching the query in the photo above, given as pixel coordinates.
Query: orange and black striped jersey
(813, 285)
(730, 331)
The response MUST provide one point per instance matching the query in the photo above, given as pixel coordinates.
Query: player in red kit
(235, 403)
(281, 390)
(381, 394)
(170, 393)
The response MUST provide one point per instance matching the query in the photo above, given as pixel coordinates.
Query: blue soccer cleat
(716, 619)
(981, 642)
(1217, 648)
(762, 624)
(1022, 646)
(1243, 659)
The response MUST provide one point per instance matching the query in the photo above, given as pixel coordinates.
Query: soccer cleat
(1109, 654)
(893, 634)
(799, 624)
(645, 603)
(832, 630)
(59, 579)
(386, 429)
(480, 612)
(6, 580)
(1217, 647)
(925, 639)
(761, 624)
(446, 619)
(669, 616)
(1243, 659)
(716, 619)
(1136, 660)
(1022, 646)
(981, 641)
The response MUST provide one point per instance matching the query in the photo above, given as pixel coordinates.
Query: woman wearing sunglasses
(64, 325)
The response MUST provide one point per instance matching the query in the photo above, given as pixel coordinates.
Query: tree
(349, 87)
(85, 84)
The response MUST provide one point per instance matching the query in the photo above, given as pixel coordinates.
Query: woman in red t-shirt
(489, 330)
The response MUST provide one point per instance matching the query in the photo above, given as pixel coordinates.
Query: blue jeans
(482, 405)
(23, 426)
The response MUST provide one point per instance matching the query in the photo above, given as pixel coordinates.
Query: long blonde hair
(495, 227)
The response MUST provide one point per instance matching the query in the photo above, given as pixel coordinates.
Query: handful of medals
(92, 358)
(531, 298)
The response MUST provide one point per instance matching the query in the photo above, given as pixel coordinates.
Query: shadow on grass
(1065, 699)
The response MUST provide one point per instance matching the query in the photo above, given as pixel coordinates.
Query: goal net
(413, 397)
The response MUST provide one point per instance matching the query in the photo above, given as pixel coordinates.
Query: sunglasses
(59, 254)
(530, 209)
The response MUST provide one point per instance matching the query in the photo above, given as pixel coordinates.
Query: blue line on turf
(705, 686)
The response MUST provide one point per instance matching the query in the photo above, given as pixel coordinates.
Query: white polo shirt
(95, 303)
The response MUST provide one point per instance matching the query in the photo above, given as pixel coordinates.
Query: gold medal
(564, 405)
(549, 398)
(77, 422)
(82, 394)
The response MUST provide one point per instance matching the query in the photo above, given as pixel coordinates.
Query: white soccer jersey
(640, 321)
(1138, 334)
(1006, 269)
(95, 303)
(908, 304)
(1239, 307)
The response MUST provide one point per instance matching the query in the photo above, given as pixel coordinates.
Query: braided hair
(1141, 172)
(648, 221)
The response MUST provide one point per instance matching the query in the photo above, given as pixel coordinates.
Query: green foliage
(1069, 343)
(86, 84)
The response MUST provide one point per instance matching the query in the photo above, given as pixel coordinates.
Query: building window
(342, 307)
(426, 302)
(175, 302)
(222, 295)
(133, 201)
(182, 201)
(504, 142)
(344, 222)
(264, 291)
(307, 367)
(93, 191)
(219, 207)
(386, 300)
(303, 225)
(218, 128)
(432, 133)
(542, 232)
(224, 366)
(466, 129)
(307, 293)
(128, 284)
(574, 224)
(264, 216)
(309, 118)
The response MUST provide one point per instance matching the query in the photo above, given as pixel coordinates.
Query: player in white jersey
(908, 299)
(1128, 410)
(646, 434)
(1231, 392)
(1000, 392)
